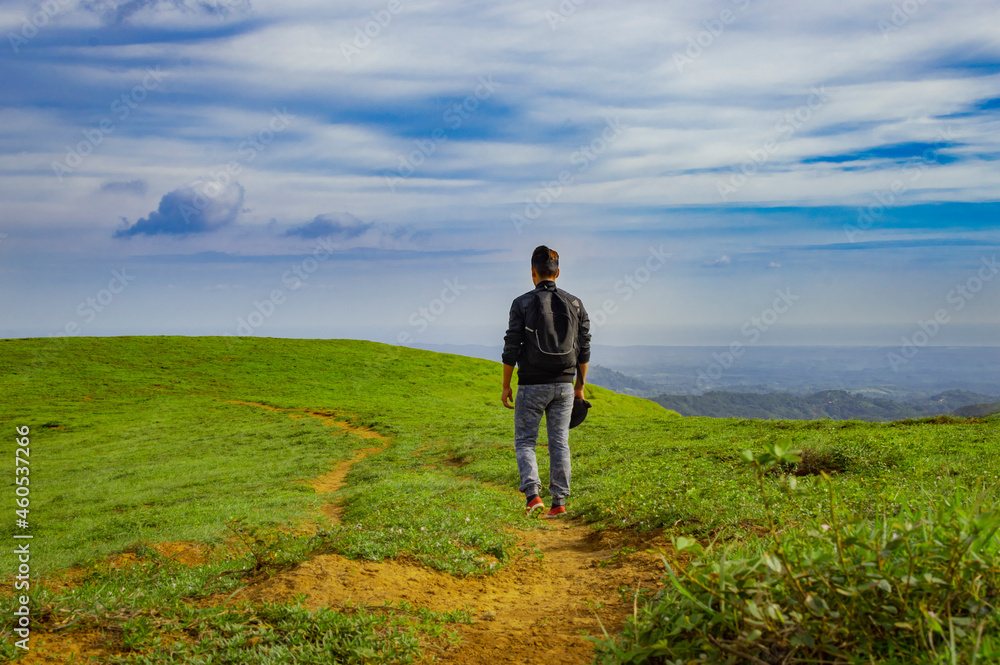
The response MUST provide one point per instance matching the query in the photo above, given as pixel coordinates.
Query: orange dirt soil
(529, 612)
(535, 610)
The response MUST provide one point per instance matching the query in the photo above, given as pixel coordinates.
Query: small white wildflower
(825, 527)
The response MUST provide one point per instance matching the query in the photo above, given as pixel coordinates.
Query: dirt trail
(334, 479)
(536, 610)
(569, 581)
(531, 612)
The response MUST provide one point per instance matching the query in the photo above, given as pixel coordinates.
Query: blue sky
(383, 169)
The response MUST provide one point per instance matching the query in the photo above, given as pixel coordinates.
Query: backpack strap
(530, 304)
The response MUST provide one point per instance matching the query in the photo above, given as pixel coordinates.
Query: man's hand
(506, 396)
(581, 379)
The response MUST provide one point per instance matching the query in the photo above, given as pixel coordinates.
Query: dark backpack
(551, 325)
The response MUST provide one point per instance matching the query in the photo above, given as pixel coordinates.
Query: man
(548, 338)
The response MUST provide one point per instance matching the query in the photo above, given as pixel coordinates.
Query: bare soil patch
(532, 611)
(187, 553)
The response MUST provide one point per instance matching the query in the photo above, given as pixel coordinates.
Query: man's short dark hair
(545, 261)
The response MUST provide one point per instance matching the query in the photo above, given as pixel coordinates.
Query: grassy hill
(977, 410)
(618, 382)
(141, 435)
(153, 439)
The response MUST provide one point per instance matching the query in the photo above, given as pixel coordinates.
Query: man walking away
(548, 338)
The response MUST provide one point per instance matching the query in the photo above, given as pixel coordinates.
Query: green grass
(648, 471)
(134, 441)
(921, 585)
(146, 615)
(112, 475)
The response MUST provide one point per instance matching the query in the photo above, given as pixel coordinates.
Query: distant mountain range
(832, 404)
(795, 382)
(621, 383)
(759, 402)
(648, 371)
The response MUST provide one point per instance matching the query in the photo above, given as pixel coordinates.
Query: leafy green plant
(135, 632)
(920, 587)
(616, 558)
(533, 554)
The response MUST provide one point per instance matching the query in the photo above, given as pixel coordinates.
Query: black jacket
(513, 346)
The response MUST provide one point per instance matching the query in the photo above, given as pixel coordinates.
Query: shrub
(846, 455)
(920, 587)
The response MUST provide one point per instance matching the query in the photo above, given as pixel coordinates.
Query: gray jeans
(555, 400)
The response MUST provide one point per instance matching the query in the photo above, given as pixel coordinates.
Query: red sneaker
(534, 506)
(556, 511)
